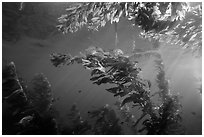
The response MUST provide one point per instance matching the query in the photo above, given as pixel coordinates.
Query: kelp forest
(102, 68)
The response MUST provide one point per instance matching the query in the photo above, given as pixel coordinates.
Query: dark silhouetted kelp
(116, 69)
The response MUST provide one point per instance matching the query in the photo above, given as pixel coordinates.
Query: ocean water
(31, 55)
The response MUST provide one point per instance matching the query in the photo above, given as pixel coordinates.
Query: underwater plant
(100, 121)
(106, 123)
(77, 125)
(14, 99)
(21, 109)
(172, 22)
(115, 68)
(26, 110)
(168, 120)
(39, 93)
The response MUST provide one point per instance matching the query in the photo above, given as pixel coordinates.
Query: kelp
(117, 69)
(126, 117)
(106, 123)
(170, 107)
(40, 94)
(14, 99)
(31, 115)
(20, 116)
(176, 23)
(77, 125)
(150, 16)
(101, 121)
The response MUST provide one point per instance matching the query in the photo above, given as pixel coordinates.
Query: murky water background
(31, 55)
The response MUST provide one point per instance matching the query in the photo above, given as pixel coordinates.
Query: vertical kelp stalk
(169, 110)
(116, 35)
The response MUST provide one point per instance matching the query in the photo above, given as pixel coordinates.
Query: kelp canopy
(174, 22)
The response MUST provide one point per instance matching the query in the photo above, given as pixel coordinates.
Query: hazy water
(32, 56)
(183, 73)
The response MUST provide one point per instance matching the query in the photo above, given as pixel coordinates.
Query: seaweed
(20, 116)
(78, 125)
(106, 123)
(40, 94)
(117, 69)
